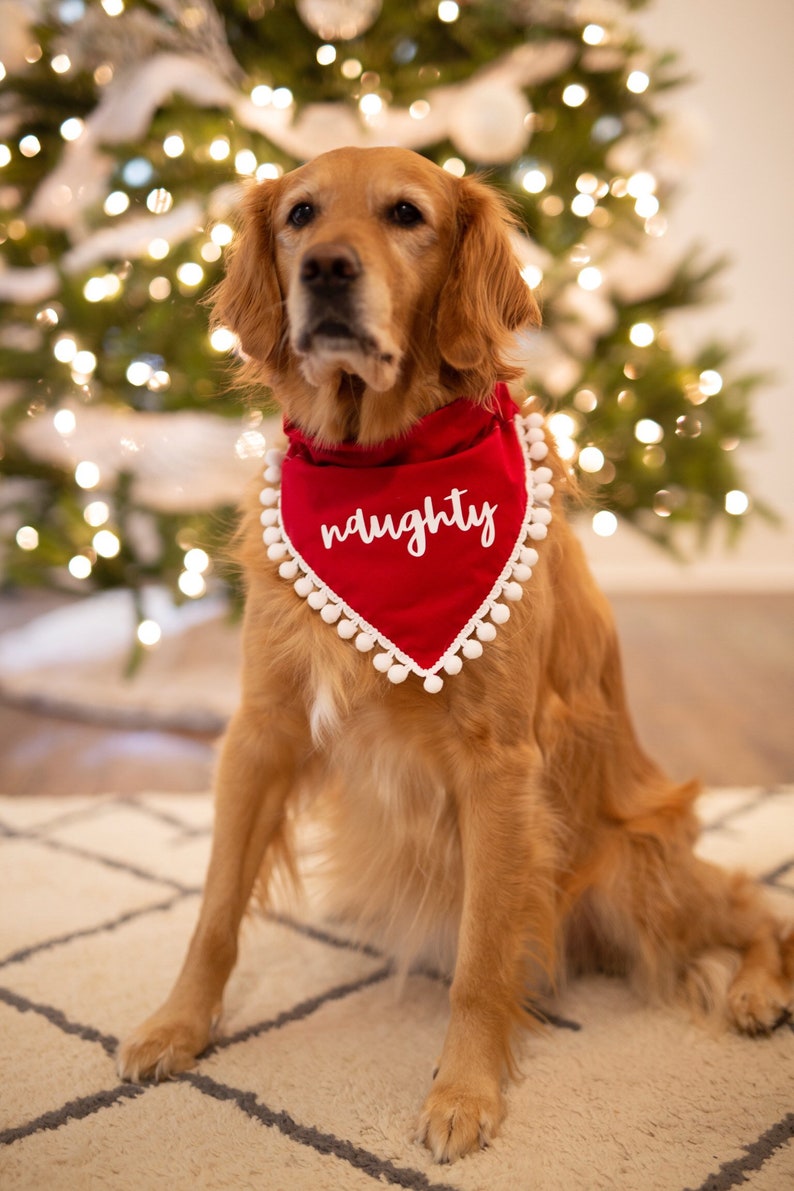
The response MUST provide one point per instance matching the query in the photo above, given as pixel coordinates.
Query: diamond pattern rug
(323, 1061)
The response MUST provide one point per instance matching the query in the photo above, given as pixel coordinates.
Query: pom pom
(274, 457)
(541, 516)
(522, 572)
(383, 661)
(276, 551)
(513, 591)
(365, 642)
(269, 496)
(453, 665)
(500, 613)
(269, 517)
(317, 599)
(534, 421)
(273, 475)
(472, 648)
(433, 684)
(486, 632)
(538, 450)
(529, 556)
(397, 673)
(331, 613)
(537, 531)
(303, 586)
(533, 435)
(543, 492)
(347, 629)
(288, 569)
(543, 475)
(271, 534)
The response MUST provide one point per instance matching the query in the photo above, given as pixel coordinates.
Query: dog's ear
(485, 299)
(249, 300)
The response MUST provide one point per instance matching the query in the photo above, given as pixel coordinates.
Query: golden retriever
(508, 825)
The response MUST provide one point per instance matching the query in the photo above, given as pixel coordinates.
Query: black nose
(330, 268)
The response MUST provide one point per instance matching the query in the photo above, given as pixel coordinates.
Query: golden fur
(510, 826)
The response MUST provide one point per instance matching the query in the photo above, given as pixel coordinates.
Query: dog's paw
(162, 1046)
(758, 1001)
(456, 1120)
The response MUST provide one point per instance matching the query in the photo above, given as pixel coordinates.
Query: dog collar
(413, 549)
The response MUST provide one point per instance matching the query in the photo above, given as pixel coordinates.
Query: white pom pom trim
(480, 630)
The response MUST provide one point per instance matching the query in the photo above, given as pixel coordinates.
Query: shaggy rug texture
(323, 1060)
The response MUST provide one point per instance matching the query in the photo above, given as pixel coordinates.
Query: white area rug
(322, 1065)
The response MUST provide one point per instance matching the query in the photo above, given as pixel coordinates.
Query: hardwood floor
(710, 681)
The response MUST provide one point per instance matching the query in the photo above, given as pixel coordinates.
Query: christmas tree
(128, 130)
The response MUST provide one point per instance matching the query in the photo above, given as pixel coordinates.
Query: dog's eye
(406, 214)
(301, 214)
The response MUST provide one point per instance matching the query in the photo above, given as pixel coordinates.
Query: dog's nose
(330, 268)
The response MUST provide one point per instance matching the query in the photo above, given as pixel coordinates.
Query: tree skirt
(323, 1061)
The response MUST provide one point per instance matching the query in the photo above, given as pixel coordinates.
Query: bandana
(413, 549)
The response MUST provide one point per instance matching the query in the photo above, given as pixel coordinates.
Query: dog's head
(369, 287)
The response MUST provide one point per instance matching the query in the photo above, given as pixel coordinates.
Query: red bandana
(411, 547)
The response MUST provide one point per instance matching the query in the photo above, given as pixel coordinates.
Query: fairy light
(454, 166)
(448, 11)
(583, 205)
(604, 523)
(710, 383)
(116, 203)
(585, 401)
(61, 64)
(159, 201)
(262, 95)
(646, 206)
(96, 513)
(535, 180)
(269, 171)
(72, 128)
(370, 105)
(5, 155)
(223, 340)
(27, 537)
(174, 145)
(113, 8)
(637, 82)
(190, 274)
(245, 162)
(83, 366)
(648, 432)
(642, 334)
(533, 275)
(64, 422)
(419, 109)
(48, 317)
(736, 502)
(149, 633)
(159, 289)
(86, 474)
(641, 183)
(591, 459)
(79, 566)
(191, 584)
(220, 148)
(139, 373)
(326, 54)
(593, 34)
(99, 289)
(159, 249)
(351, 68)
(574, 95)
(197, 560)
(30, 145)
(282, 98)
(590, 278)
(106, 543)
(64, 349)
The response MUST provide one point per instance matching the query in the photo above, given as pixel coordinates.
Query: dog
(495, 813)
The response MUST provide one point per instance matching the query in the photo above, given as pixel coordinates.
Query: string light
(79, 567)
(454, 166)
(191, 584)
(174, 145)
(223, 340)
(591, 459)
(604, 523)
(574, 95)
(593, 34)
(326, 54)
(149, 633)
(86, 474)
(448, 11)
(116, 203)
(710, 383)
(5, 155)
(27, 537)
(262, 95)
(113, 8)
(245, 162)
(590, 278)
(419, 109)
(637, 82)
(72, 128)
(642, 334)
(61, 64)
(64, 422)
(533, 275)
(106, 543)
(96, 513)
(197, 559)
(282, 98)
(190, 274)
(535, 180)
(647, 431)
(736, 502)
(220, 148)
(370, 105)
(30, 145)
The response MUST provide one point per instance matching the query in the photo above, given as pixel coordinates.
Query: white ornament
(338, 20)
(489, 124)
(538, 450)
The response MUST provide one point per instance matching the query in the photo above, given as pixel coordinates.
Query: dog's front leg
(256, 773)
(507, 920)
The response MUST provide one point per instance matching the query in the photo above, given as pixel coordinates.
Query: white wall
(737, 199)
